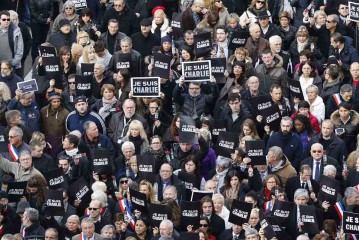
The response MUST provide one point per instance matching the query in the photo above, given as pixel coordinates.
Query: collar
(277, 166)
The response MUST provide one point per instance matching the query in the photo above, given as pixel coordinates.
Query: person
(192, 16)
(31, 225)
(75, 119)
(102, 54)
(235, 232)
(276, 43)
(51, 234)
(220, 209)
(41, 161)
(136, 134)
(100, 78)
(64, 37)
(268, 29)
(160, 23)
(354, 78)
(345, 94)
(287, 31)
(332, 82)
(307, 76)
(251, 15)
(217, 223)
(142, 229)
(289, 142)
(69, 13)
(86, 23)
(304, 109)
(122, 85)
(112, 37)
(241, 54)
(108, 231)
(221, 48)
(276, 93)
(9, 77)
(255, 44)
(99, 221)
(16, 143)
(166, 229)
(87, 231)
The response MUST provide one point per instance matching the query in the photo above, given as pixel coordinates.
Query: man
(42, 161)
(188, 40)
(10, 212)
(100, 77)
(221, 50)
(235, 114)
(236, 232)
(271, 72)
(217, 223)
(332, 82)
(119, 122)
(345, 94)
(170, 192)
(285, 107)
(354, 79)
(167, 230)
(9, 77)
(88, 231)
(51, 234)
(334, 25)
(102, 54)
(252, 90)
(30, 113)
(128, 22)
(99, 220)
(192, 16)
(112, 36)
(251, 234)
(268, 29)
(82, 114)
(11, 42)
(275, 43)
(255, 43)
(72, 226)
(136, 58)
(69, 210)
(333, 145)
(31, 224)
(167, 178)
(16, 144)
(319, 160)
(64, 37)
(288, 141)
(279, 165)
(301, 181)
(211, 186)
(194, 103)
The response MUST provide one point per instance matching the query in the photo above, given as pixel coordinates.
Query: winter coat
(255, 48)
(287, 37)
(128, 22)
(329, 89)
(163, 29)
(73, 20)
(11, 81)
(136, 63)
(312, 119)
(235, 126)
(41, 10)
(348, 55)
(75, 121)
(317, 108)
(119, 36)
(285, 171)
(60, 39)
(16, 45)
(252, 16)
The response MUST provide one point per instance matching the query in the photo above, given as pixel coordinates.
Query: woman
(142, 105)
(346, 122)
(307, 76)
(304, 42)
(217, 6)
(67, 67)
(158, 120)
(304, 129)
(220, 209)
(250, 16)
(241, 55)
(304, 109)
(146, 188)
(175, 211)
(249, 129)
(317, 107)
(141, 230)
(186, 55)
(157, 151)
(269, 182)
(253, 221)
(86, 23)
(191, 166)
(123, 188)
(202, 234)
(108, 104)
(35, 192)
(123, 84)
(171, 136)
(69, 13)
(287, 32)
(204, 225)
(83, 39)
(53, 122)
(208, 24)
(160, 23)
(137, 135)
(88, 56)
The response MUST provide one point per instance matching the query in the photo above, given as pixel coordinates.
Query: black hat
(54, 95)
(4, 194)
(145, 22)
(64, 22)
(263, 14)
(80, 99)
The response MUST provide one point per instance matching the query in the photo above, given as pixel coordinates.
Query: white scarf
(301, 46)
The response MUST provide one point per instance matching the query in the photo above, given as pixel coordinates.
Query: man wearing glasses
(95, 209)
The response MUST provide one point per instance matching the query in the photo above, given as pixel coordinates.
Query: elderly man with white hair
(275, 43)
(166, 230)
(218, 174)
(255, 43)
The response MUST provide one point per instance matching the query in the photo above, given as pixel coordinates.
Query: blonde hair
(76, 52)
(319, 13)
(82, 34)
(253, 4)
(137, 124)
(85, 54)
(5, 91)
(233, 16)
(37, 135)
(159, 13)
(150, 195)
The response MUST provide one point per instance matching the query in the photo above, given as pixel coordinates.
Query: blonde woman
(83, 38)
(250, 16)
(137, 135)
(146, 188)
(88, 56)
(160, 23)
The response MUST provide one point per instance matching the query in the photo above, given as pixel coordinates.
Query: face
(307, 70)
(276, 94)
(264, 22)
(71, 82)
(185, 55)
(253, 220)
(14, 19)
(194, 90)
(203, 224)
(128, 153)
(88, 229)
(26, 161)
(129, 109)
(234, 181)
(237, 70)
(271, 183)
(108, 233)
(217, 205)
(321, 20)
(303, 58)
(343, 112)
(306, 175)
(260, 4)
(86, 18)
(166, 46)
(118, 5)
(92, 131)
(189, 39)
(145, 29)
(327, 129)
(66, 144)
(72, 224)
(252, 237)
(211, 186)
(5, 21)
(304, 111)
(329, 23)
(165, 231)
(165, 172)
(299, 126)
(221, 35)
(276, 46)
(301, 201)
(169, 193)
(343, 10)
(112, 28)
(140, 227)
(346, 96)
(5, 70)
(302, 39)
(201, 236)
(144, 189)
(207, 208)
(65, 57)
(50, 235)
(158, 19)
(267, 59)
(81, 107)
(253, 84)
(26, 99)
(14, 138)
(285, 127)
(108, 94)
(65, 29)
(64, 164)
(185, 147)
(156, 144)
(284, 22)
(190, 167)
(37, 151)
(94, 209)
(124, 183)
(218, 3)
(126, 47)
(135, 132)
(153, 107)
(255, 32)
(33, 190)
(246, 130)
(178, 122)
(98, 70)
(235, 106)
(354, 71)
(233, 23)
(316, 152)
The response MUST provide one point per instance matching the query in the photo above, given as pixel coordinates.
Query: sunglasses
(93, 209)
(261, 2)
(67, 8)
(203, 225)
(329, 21)
(71, 82)
(5, 19)
(316, 151)
(123, 181)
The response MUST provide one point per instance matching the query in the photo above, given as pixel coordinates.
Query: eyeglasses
(71, 82)
(119, 5)
(261, 2)
(5, 19)
(11, 137)
(329, 21)
(316, 151)
(271, 182)
(156, 143)
(25, 159)
(85, 15)
(67, 8)
(123, 181)
(93, 209)
(203, 225)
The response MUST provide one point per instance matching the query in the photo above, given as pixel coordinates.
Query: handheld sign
(350, 222)
(202, 44)
(272, 117)
(260, 103)
(52, 68)
(238, 39)
(47, 51)
(34, 237)
(28, 86)
(54, 203)
(218, 68)
(4, 140)
(255, 151)
(79, 5)
(190, 213)
(309, 218)
(161, 66)
(353, 11)
(157, 213)
(80, 190)
(227, 143)
(269, 233)
(197, 195)
(196, 71)
(87, 68)
(123, 61)
(328, 189)
(16, 190)
(176, 24)
(146, 167)
(219, 125)
(281, 210)
(138, 200)
(101, 160)
(187, 131)
(54, 178)
(83, 85)
(295, 89)
(240, 212)
(145, 86)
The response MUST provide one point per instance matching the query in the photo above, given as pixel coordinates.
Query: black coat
(330, 161)
(272, 30)
(217, 225)
(294, 183)
(41, 10)
(228, 235)
(144, 45)
(352, 179)
(234, 126)
(26, 38)
(44, 163)
(175, 181)
(60, 39)
(128, 21)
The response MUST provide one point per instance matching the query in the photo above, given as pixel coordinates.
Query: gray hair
(303, 237)
(8, 237)
(54, 231)
(127, 144)
(253, 25)
(346, 88)
(300, 192)
(218, 196)
(313, 88)
(126, 39)
(167, 223)
(251, 231)
(87, 220)
(99, 185)
(328, 169)
(350, 191)
(100, 196)
(32, 214)
(87, 124)
(223, 162)
(274, 38)
(108, 227)
(13, 13)
(277, 152)
(287, 119)
(17, 130)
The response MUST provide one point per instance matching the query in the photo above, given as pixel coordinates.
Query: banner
(219, 125)
(190, 213)
(227, 143)
(80, 190)
(240, 212)
(351, 222)
(79, 5)
(28, 86)
(269, 233)
(256, 152)
(202, 44)
(162, 65)
(145, 86)
(196, 71)
(146, 167)
(328, 189)
(218, 68)
(87, 68)
(54, 178)
(187, 131)
(176, 25)
(272, 117)
(353, 11)
(295, 89)
(309, 218)
(46, 51)
(238, 39)
(138, 200)
(16, 190)
(157, 213)
(83, 85)
(52, 68)
(281, 210)
(4, 140)
(197, 195)
(54, 203)
(123, 61)
(260, 103)
(101, 161)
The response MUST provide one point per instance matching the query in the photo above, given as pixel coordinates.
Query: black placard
(53, 69)
(353, 11)
(272, 117)
(189, 235)
(83, 85)
(190, 213)
(281, 210)
(269, 233)
(54, 178)
(309, 218)
(260, 103)
(176, 24)
(202, 44)
(226, 143)
(54, 203)
(328, 189)
(256, 152)
(101, 161)
(189, 180)
(238, 39)
(240, 212)
(350, 222)
(28, 86)
(145, 86)
(146, 167)
(161, 65)
(124, 61)
(47, 51)
(79, 4)
(4, 140)
(34, 238)
(197, 195)
(196, 71)
(218, 68)
(187, 131)
(16, 190)
(80, 190)
(138, 200)
(295, 89)
(157, 213)
(87, 68)
(219, 125)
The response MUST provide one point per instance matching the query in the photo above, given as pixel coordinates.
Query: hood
(278, 61)
(354, 118)
(285, 162)
(318, 101)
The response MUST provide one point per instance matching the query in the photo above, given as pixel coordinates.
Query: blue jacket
(75, 121)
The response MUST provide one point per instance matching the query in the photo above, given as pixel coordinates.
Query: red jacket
(313, 121)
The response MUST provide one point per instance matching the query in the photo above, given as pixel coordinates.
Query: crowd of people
(312, 44)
